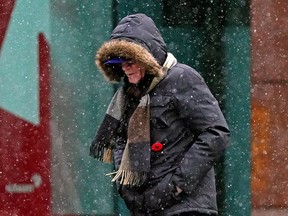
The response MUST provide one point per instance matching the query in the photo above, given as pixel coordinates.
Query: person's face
(135, 72)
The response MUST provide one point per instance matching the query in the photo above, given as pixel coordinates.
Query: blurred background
(52, 98)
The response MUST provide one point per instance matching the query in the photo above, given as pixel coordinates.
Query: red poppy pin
(156, 147)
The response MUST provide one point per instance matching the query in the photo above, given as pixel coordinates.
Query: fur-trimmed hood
(136, 38)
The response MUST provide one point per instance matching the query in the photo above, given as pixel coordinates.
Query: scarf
(135, 162)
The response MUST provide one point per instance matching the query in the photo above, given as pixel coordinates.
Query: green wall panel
(237, 164)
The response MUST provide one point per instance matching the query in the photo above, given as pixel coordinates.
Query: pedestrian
(163, 129)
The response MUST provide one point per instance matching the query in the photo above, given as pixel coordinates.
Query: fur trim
(128, 50)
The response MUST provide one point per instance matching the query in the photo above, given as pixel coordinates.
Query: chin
(134, 81)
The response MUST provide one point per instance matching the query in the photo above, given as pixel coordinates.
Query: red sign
(25, 188)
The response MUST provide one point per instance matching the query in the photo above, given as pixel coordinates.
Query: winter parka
(185, 119)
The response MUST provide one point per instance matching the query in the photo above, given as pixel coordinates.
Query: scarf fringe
(107, 155)
(127, 177)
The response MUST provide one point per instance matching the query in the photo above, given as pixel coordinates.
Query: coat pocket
(162, 195)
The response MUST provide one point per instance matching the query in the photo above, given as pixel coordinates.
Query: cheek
(142, 72)
(139, 76)
(139, 70)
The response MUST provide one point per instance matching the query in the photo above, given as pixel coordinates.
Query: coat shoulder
(183, 71)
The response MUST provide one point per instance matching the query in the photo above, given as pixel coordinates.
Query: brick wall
(269, 97)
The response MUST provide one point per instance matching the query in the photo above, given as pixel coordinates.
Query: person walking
(163, 129)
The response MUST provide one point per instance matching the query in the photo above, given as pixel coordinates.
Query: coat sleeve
(201, 112)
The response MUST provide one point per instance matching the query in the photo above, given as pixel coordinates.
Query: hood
(136, 37)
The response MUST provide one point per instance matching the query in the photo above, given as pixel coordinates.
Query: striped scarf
(135, 163)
